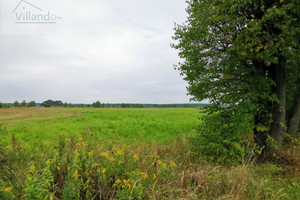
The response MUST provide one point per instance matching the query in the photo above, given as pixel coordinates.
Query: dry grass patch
(13, 113)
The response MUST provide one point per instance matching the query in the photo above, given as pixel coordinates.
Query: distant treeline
(98, 104)
(17, 104)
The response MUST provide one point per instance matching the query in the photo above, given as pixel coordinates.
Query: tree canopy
(244, 57)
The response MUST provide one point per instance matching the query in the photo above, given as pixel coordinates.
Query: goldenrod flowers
(48, 162)
(126, 183)
(8, 189)
(159, 162)
(76, 175)
(136, 157)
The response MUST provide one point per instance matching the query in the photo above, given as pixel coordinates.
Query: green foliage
(97, 104)
(38, 183)
(229, 51)
(50, 103)
(31, 104)
(23, 104)
(16, 104)
(270, 169)
(3, 105)
(221, 136)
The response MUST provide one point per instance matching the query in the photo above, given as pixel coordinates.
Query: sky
(112, 51)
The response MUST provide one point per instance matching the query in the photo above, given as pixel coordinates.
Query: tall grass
(129, 154)
(81, 168)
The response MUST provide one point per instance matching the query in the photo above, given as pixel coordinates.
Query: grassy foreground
(47, 153)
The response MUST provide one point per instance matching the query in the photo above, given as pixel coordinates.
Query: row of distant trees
(97, 104)
(22, 104)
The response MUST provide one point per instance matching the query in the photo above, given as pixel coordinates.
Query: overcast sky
(112, 51)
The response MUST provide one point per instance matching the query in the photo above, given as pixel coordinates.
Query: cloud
(112, 51)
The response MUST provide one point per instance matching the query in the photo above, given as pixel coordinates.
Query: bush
(220, 136)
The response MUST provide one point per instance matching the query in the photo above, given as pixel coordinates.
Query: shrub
(220, 136)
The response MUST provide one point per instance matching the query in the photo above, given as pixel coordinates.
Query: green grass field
(124, 125)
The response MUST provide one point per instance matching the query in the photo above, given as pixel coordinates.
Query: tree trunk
(278, 126)
(294, 121)
(260, 136)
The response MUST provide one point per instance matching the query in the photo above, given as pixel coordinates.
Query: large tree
(239, 54)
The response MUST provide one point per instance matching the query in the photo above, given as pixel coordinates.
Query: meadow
(48, 153)
(35, 125)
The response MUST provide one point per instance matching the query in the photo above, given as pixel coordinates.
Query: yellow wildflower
(119, 152)
(83, 143)
(159, 162)
(103, 171)
(96, 164)
(154, 177)
(76, 175)
(76, 153)
(104, 154)
(281, 1)
(146, 176)
(110, 158)
(90, 153)
(48, 161)
(62, 134)
(117, 182)
(173, 164)
(8, 189)
(136, 157)
(120, 162)
(126, 183)
(3, 140)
